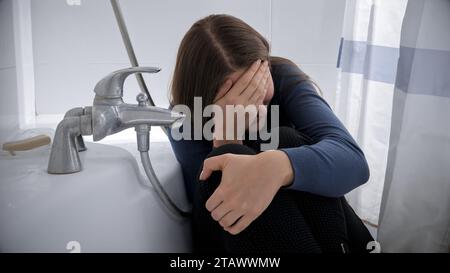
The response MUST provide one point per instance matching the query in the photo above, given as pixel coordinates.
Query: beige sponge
(26, 144)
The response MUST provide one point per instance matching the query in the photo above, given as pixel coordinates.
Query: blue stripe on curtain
(377, 63)
(431, 67)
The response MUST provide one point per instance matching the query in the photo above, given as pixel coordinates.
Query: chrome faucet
(111, 115)
(108, 115)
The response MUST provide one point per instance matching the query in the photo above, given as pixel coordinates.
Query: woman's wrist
(281, 164)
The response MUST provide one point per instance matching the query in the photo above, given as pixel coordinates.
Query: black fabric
(294, 222)
(358, 234)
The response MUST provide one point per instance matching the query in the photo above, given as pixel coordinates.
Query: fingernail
(201, 175)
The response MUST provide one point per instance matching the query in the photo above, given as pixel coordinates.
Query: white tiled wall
(74, 46)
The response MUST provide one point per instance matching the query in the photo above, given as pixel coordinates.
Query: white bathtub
(107, 207)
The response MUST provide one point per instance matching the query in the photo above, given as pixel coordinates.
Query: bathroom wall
(17, 105)
(76, 42)
(8, 85)
(309, 32)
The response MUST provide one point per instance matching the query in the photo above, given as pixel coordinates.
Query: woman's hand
(249, 183)
(250, 89)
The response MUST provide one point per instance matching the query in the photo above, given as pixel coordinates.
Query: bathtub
(107, 207)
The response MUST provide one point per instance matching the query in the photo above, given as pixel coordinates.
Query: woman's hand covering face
(246, 95)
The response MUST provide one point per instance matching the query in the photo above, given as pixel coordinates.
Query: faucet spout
(111, 119)
(64, 156)
(133, 115)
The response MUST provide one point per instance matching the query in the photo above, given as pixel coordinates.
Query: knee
(232, 149)
(286, 137)
(207, 188)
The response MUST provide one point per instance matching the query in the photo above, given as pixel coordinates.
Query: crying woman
(289, 199)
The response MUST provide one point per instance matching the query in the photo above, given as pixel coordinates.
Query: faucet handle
(111, 86)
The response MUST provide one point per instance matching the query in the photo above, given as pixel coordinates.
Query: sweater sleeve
(334, 165)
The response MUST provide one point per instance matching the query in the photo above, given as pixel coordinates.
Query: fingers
(241, 224)
(223, 90)
(220, 211)
(260, 92)
(230, 218)
(214, 200)
(267, 84)
(245, 79)
(215, 163)
(254, 83)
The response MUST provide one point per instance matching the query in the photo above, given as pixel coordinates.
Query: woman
(250, 201)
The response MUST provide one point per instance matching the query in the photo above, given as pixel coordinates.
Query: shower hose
(143, 143)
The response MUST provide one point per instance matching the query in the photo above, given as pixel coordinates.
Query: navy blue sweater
(333, 166)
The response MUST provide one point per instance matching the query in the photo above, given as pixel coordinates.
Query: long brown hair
(212, 49)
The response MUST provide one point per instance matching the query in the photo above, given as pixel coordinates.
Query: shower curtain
(394, 97)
